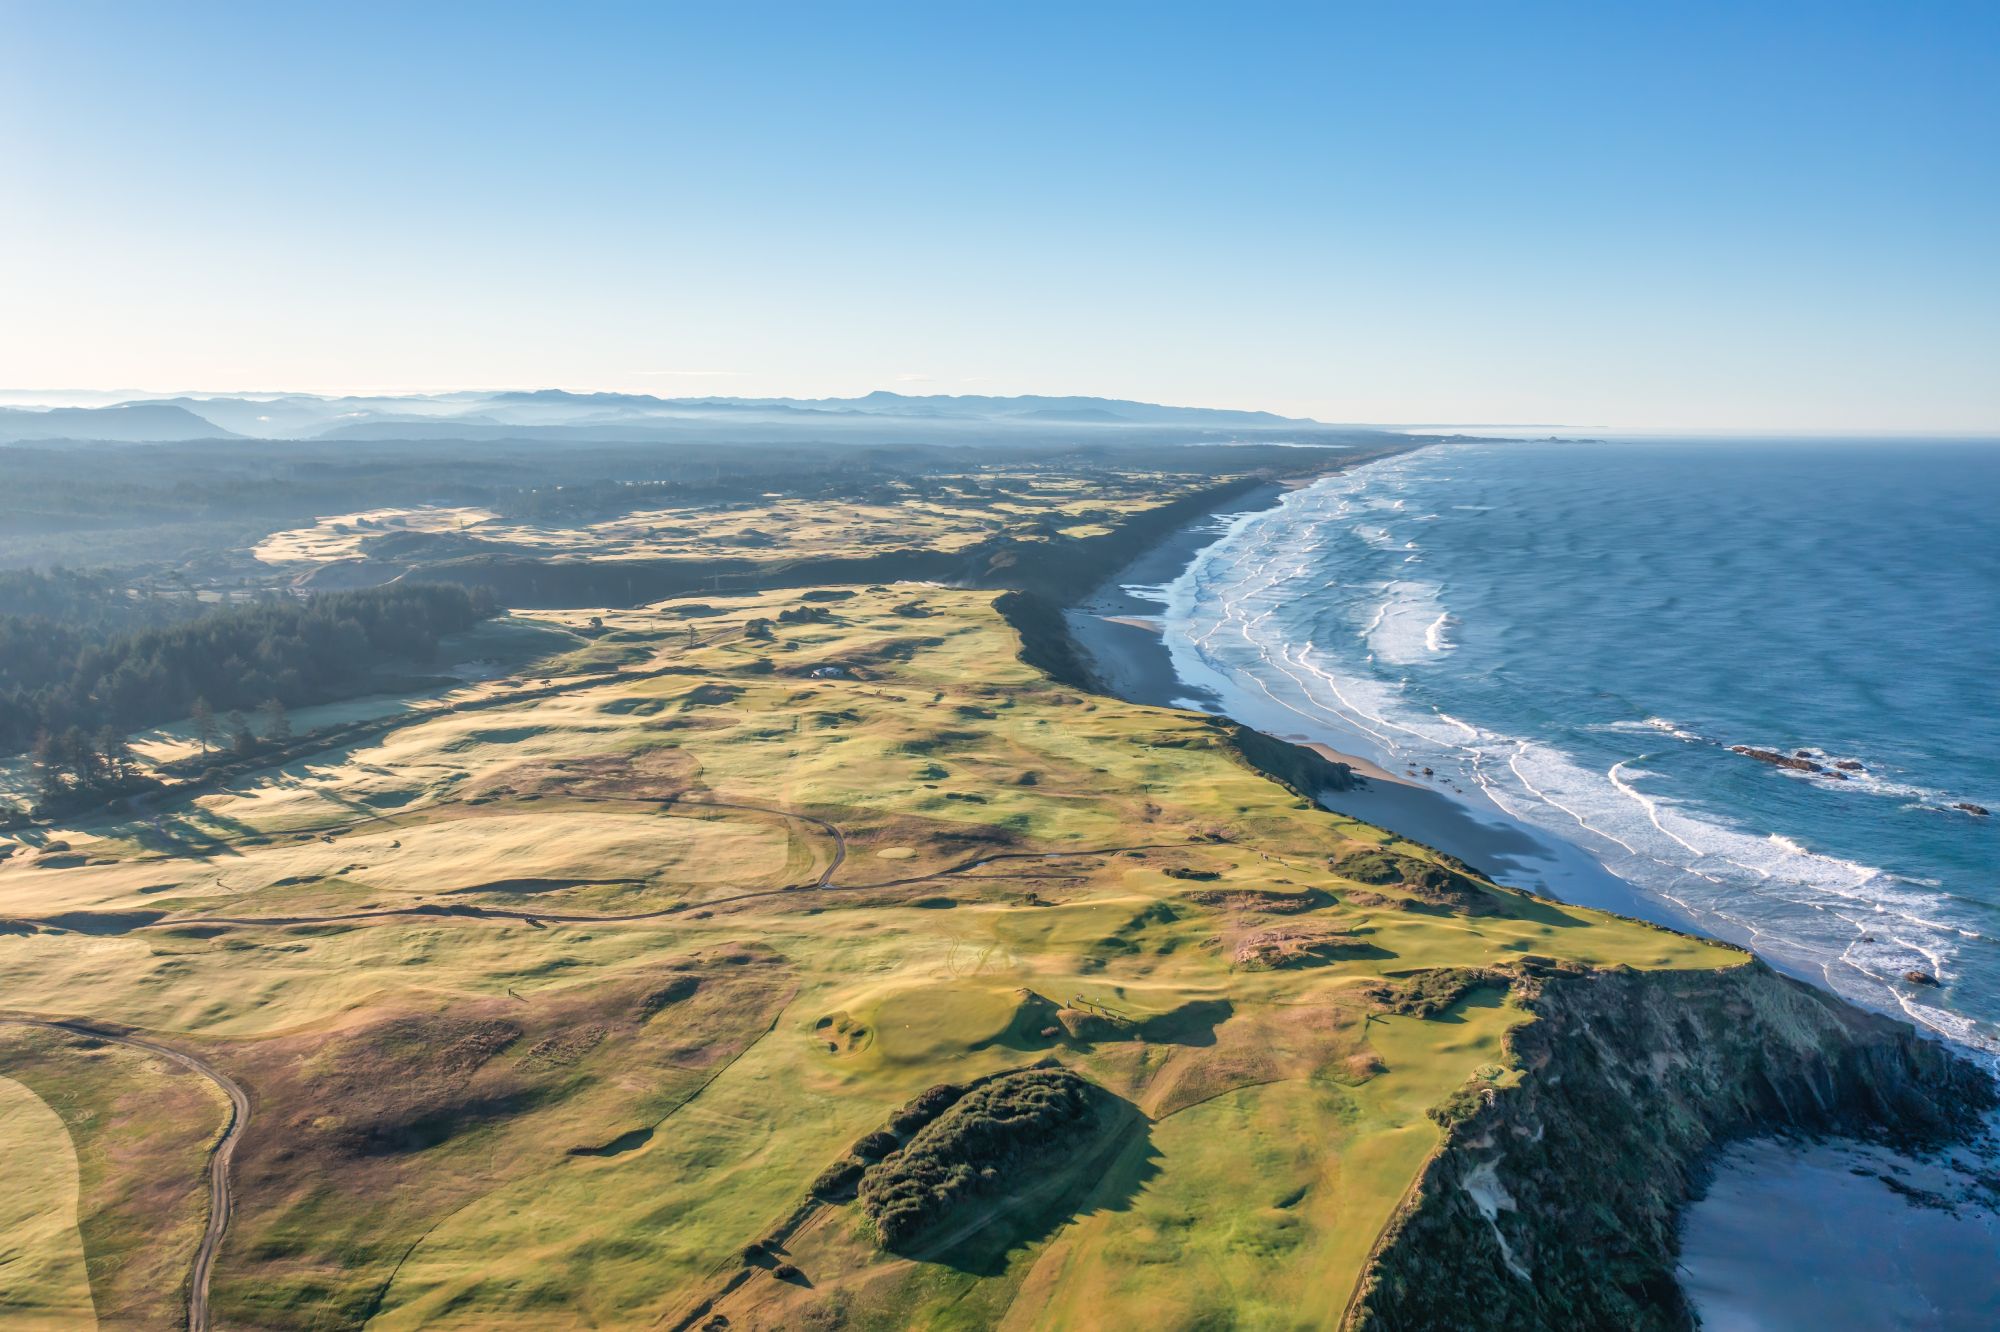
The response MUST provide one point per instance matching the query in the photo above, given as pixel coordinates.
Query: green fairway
(579, 994)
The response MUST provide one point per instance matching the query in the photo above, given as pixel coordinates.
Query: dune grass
(542, 1121)
(950, 513)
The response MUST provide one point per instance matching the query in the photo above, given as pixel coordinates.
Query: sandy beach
(1831, 1243)
(1120, 636)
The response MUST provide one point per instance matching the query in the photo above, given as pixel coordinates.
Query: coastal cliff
(1552, 1204)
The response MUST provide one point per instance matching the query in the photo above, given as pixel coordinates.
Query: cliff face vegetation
(1552, 1204)
(1303, 771)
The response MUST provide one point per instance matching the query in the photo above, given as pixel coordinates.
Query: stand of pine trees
(66, 685)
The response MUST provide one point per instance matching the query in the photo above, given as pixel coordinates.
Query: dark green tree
(48, 766)
(115, 754)
(203, 717)
(277, 722)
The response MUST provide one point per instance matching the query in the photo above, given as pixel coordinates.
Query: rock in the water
(1920, 978)
(1978, 810)
(1771, 756)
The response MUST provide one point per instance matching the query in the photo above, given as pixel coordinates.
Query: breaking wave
(1305, 607)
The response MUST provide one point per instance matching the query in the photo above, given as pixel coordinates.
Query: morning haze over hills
(556, 414)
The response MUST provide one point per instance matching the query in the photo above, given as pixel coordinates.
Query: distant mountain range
(559, 415)
(136, 422)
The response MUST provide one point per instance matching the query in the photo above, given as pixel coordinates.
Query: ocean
(1578, 640)
(1580, 636)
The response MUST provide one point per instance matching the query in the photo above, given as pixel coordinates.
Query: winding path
(220, 1201)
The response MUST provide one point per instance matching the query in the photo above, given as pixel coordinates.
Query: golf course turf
(551, 1012)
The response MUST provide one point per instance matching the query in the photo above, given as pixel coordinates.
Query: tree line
(99, 600)
(70, 684)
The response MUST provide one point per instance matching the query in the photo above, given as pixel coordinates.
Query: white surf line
(1652, 812)
(1343, 707)
(1332, 682)
(1476, 757)
(1514, 767)
(1234, 617)
(1323, 716)
(1473, 731)
(1381, 613)
(1257, 577)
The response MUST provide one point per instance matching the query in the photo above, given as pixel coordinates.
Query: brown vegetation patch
(1430, 883)
(677, 990)
(403, 1084)
(1293, 945)
(1427, 993)
(1267, 900)
(419, 1112)
(563, 1048)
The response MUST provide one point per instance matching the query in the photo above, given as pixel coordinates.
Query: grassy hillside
(552, 1012)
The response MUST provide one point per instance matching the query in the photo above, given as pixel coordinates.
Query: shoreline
(1119, 638)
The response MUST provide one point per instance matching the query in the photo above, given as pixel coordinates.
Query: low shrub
(838, 1181)
(987, 1136)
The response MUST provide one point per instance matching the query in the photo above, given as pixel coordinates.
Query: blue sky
(1771, 216)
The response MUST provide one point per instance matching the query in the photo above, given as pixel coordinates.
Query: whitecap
(1408, 628)
(1235, 612)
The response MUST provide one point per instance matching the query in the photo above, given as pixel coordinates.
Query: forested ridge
(98, 600)
(78, 670)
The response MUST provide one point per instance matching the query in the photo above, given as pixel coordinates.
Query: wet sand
(1119, 635)
(1789, 1237)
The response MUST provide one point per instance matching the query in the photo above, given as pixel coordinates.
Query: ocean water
(1574, 635)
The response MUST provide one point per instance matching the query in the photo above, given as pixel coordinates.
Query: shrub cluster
(990, 1133)
(1431, 991)
(1432, 884)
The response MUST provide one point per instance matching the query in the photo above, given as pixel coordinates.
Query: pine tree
(78, 756)
(115, 752)
(277, 722)
(48, 766)
(203, 717)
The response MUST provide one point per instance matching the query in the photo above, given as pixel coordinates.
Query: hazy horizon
(51, 399)
(1706, 219)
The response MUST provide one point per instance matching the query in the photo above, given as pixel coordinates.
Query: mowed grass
(137, 1129)
(584, 1122)
(43, 1281)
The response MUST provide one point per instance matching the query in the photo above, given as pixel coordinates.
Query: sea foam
(1284, 609)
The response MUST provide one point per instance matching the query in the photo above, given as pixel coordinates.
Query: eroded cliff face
(1552, 1204)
